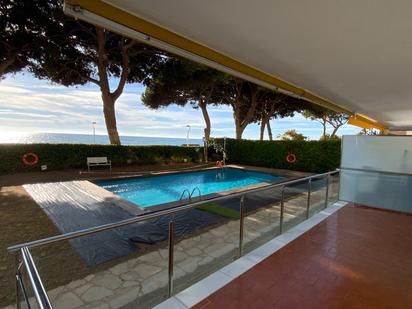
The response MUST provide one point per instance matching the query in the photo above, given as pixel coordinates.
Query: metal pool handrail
(155, 215)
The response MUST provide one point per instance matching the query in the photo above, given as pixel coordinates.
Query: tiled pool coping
(204, 288)
(292, 176)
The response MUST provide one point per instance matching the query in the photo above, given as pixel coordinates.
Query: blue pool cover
(150, 191)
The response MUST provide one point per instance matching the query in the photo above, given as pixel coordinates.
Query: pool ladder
(190, 194)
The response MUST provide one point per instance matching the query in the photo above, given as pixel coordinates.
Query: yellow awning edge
(365, 123)
(151, 30)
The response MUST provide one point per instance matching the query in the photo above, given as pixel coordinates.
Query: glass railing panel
(377, 189)
(261, 217)
(295, 204)
(126, 266)
(334, 188)
(206, 239)
(318, 195)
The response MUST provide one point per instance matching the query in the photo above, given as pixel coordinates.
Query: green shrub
(312, 156)
(64, 156)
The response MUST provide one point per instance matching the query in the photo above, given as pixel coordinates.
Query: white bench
(98, 161)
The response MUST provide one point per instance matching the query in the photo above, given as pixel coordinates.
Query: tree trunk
(239, 130)
(242, 122)
(335, 129)
(262, 128)
(109, 98)
(4, 65)
(269, 130)
(110, 118)
(324, 129)
(206, 117)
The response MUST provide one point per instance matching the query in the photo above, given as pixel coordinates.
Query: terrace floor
(358, 257)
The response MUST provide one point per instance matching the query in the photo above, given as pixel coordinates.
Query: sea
(62, 138)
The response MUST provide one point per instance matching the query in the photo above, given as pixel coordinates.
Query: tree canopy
(292, 135)
(179, 81)
(27, 31)
(70, 52)
(273, 105)
(88, 53)
(324, 117)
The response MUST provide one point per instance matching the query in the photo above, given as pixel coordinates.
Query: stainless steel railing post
(338, 195)
(171, 254)
(282, 209)
(308, 201)
(242, 220)
(327, 191)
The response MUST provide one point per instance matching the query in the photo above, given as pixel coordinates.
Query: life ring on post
(219, 164)
(30, 158)
(291, 158)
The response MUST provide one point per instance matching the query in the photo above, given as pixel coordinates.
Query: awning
(350, 56)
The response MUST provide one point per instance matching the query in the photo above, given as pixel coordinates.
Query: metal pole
(20, 284)
(327, 191)
(205, 149)
(308, 202)
(94, 132)
(224, 151)
(339, 176)
(171, 254)
(17, 264)
(241, 208)
(187, 135)
(282, 209)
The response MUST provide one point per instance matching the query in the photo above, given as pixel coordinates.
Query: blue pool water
(150, 191)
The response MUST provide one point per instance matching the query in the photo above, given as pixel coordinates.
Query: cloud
(31, 105)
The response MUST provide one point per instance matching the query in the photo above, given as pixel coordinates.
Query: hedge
(312, 156)
(65, 156)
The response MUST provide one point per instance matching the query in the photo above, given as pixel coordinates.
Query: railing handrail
(154, 215)
(375, 171)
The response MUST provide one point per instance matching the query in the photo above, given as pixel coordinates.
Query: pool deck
(121, 172)
(78, 174)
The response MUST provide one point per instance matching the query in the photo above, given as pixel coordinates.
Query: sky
(29, 105)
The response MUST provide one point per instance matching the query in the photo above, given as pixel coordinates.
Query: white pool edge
(207, 286)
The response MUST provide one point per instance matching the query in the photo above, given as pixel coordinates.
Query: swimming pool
(155, 190)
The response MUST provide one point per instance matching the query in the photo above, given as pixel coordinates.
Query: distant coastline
(62, 138)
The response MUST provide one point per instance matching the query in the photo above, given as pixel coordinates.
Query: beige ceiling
(357, 53)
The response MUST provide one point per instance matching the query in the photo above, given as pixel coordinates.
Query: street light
(94, 131)
(187, 135)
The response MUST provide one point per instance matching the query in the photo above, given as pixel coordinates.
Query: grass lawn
(220, 210)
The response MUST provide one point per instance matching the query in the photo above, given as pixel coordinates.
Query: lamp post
(94, 131)
(187, 135)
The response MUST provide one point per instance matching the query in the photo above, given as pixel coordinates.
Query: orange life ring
(291, 158)
(30, 158)
(219, 164)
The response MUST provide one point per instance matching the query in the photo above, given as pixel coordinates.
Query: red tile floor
(358, 257)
